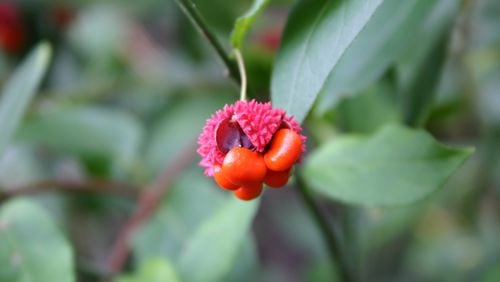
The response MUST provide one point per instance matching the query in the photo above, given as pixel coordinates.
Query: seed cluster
(248, 144)
(244, 171)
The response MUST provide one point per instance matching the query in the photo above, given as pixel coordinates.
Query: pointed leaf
(395, 166)
(417, 100)
(19, 90)
(419, 74)
(318, 33)
(389, 34)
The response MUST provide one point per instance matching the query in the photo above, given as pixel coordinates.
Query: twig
(329, 236)
(100, 186)
(189, 9)
(243, 75)
(147, 203)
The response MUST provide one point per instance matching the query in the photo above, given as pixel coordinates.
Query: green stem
(329, 236)
(189, 9)
(243, 75)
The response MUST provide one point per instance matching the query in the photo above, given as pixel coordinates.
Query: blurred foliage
(131, 83)
(155, 270)
(26, 259)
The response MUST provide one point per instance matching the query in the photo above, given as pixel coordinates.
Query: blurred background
(131, 84)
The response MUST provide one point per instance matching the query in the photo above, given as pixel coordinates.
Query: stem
(329, 236)
(243, 75)
(189, 8)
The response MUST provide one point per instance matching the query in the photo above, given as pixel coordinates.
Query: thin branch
(147, 203)
(99, 186)
(189, 8)
(329, 236)
(243, 74)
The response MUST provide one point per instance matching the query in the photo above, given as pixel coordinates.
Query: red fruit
(284, 150)
(222, 181)
(277, 179)
(249, 192)
(243, 167)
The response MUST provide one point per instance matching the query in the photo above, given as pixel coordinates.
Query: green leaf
(154, 270)
(395, 166)
(88, 132)
(430, 32)
(20, 89)
(389, 34)
(418, 98)
(211, 251)
(243, 23)
(317, 34)
(420, 72)
(32, 247)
